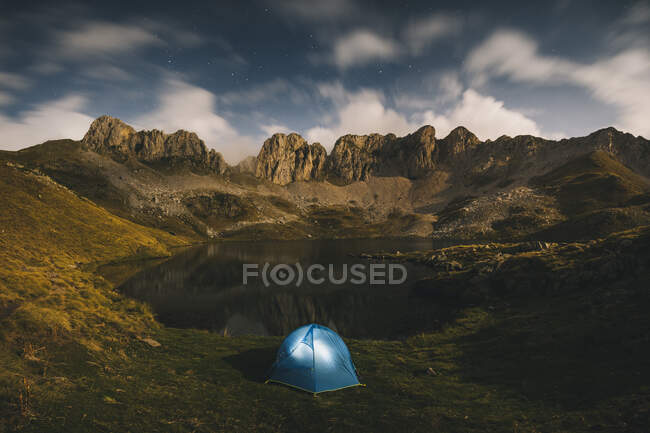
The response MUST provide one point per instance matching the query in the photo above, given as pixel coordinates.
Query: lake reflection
(202, 288)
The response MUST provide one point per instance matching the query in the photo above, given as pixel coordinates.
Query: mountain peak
(107, 119)
(107, 131)
(604, 132)
(426, 130)
(110, 135)
(289, 158)
(457, 142)
(460, 131)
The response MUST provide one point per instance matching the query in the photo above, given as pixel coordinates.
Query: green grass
(50, 239)
(520, 368)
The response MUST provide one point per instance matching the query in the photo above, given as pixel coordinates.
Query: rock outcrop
(289, 158)
(109, 135)
(357, 157)
(411, 156)
(458, 143)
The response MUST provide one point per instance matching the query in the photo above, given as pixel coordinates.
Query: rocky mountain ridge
(109, 135)
(285, 159)
(368, 186)
(418, 155)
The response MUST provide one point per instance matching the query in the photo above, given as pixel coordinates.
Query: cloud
(366, 111)
(485, 116)
(13, 81)
(630, 31)
(450, 87)
(185, 106)
(107, 72)
(361, 47)
(6, 98)
(274, 128)
(514, 54)
(253, 95)
(361, 112)
(187, 38)
(411, 102)
(621, 79)
(46, 68)
(104, 38)
(637, 15)
(421, 33)
(62, 118)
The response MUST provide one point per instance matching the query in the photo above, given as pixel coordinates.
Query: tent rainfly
(315, 359)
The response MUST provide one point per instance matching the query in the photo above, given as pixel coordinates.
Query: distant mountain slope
(589, 196)
(372, 185)
(592, 181)
(235, 204)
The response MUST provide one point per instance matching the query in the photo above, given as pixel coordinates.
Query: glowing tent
(315, 359)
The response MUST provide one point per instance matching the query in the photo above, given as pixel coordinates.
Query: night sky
(236, 72)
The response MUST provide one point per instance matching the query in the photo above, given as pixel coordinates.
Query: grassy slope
(590, 195)
(592, 182)
(48, 238)
(64, 161)
(598, 195)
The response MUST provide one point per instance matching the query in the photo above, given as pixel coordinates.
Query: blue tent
(315, 359)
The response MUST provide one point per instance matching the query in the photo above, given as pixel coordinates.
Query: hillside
(179, 199)
(589, 196)
(456, 187)
(50, 241)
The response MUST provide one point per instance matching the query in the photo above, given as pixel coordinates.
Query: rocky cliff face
(411, 156)
(357, 157)
(109, 135)
(458, 143)
(289, 158)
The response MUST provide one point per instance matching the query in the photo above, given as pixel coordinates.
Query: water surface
(202, 288)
